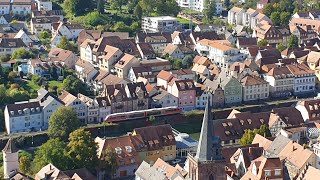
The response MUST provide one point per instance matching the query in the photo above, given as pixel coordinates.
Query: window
(277, 172)
(267, 173)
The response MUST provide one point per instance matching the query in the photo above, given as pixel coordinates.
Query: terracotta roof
(185, 85)
(124, 61)
(262, 141)
(247, 41)
(181, 72)
(250, 80)
(146, 48)
(215, 44)
(156, 137)
(236, 9)
(300, 69)
(157, 37)
(87, 67)
(111, 79)
(67, 98)
(126, 148)
(169, 170)
(309, 173)
(165, 75)
(109, 52)
(313, 57)
(42, 20)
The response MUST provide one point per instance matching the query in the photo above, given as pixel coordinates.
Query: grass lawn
(55, 83)
(183, 21)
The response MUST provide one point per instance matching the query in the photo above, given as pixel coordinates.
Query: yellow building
(159, 142)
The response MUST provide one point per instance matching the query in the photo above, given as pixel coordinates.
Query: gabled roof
(165, 75)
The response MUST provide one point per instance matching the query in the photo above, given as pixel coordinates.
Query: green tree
(147, 6)
(73, 85)
(210, 10)
(268, 9)
(263, 42)
(62, 122)
(5, 58)
(3, 97)
(285, 18)
(24, 164)
(15, 66)
(138, 11)
(275, 18)
(108, 161)
(82, 149)
(293, 41)
(247, 137)
(65, 44)
(51, 152)
(264, 131)
(121, 27)
(117, 5)
(281, 47)
(11, 75)
(18, 95)
(22, 53)
(45, 37)
(187, 61)
(76, 7)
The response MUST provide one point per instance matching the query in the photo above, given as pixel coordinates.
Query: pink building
(185, 91)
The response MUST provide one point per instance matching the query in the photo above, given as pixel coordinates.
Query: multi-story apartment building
(185, 91)
(158, 40)
(231, 87)
(304, 78)
(129, 97)
(23, 117)
(271, 34)
(109, 57)
(21, 7)
(309, 109)
(235, 15)
(281, 81)
(104, 108)
(254, 88)
(123, 66)
(44, 5)
(5, 7)
(247, 17)
(199, 5)
(75, 103)
(49, 103)
(220, 51)
(160, 24)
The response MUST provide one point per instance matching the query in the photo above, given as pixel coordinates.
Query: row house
(103, 79)
(42, 68)
(109, 57)
(75, 103)
(281, 81)
(32, 115)
(303, 32)
(304, 78)
(185, 91)
(231, 129)
(313, 23)
(220, 51)
(177, 51)
(158, 40)
(159, 142)
(271, 34)
(129, 97)
(202, 96)
(254, 88)
(92, 106)
(163, 99)
(39, 24)
(97, 34)
(68, 30)
(104, 108)
(157, 64)
(146, 51)
(231, 87)
(48, 13)
(249, 18)
(9, 45)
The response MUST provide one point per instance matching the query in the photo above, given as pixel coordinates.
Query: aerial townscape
(160, 89)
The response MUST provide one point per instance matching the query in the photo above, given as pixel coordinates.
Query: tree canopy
(293, 41)
(62, 122)
(263, 42)
(249, 135)
(66, 44)
(51, 152)
(76, 7)
(73, 85)
(82, 149)
(22, 53)
(108, 161)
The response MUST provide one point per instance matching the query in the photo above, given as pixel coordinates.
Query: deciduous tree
(22, 53)
(62, 122)
(293, 41)
(82, 149)
(24, 164)
(275, 18)
(76, 7)
(108, 161)
(73, 85)
(53, 151)
(263, 42)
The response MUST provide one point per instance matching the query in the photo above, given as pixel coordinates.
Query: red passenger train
(125, 116)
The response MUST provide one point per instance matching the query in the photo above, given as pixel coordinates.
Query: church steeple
(204, 151)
